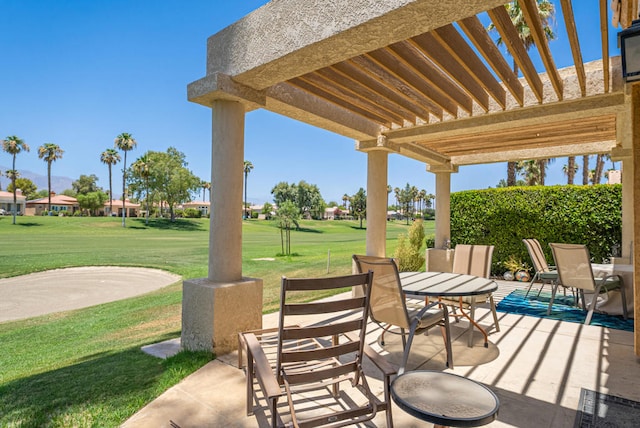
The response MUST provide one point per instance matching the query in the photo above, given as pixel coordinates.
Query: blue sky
(78, 73)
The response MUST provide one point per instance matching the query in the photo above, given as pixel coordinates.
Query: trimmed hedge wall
(590, 215)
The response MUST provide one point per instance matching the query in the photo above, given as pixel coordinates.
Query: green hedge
(590, 215)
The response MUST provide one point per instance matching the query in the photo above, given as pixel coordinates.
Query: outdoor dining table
(443, 284)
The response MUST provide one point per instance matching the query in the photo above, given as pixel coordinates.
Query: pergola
(420, 78)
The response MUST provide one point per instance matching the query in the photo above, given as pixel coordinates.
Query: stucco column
(211, 318)
(440, 258)
(627, 209)
(377, 162)
(635, 183)
(443, 208)
(227, 157)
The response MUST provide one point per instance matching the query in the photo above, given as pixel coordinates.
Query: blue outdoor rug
(562, 309)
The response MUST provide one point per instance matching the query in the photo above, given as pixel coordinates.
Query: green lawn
(84, 368)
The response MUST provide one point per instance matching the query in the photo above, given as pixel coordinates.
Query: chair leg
(554, 288)
(446, 335)
(623, 295)
(472, 316)
(531, 285)
(592, 306)
(494, 312)
(407, 348)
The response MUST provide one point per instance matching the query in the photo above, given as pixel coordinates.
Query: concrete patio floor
(537, 368)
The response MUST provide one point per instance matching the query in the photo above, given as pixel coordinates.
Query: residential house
(6, 202)
(60, 204)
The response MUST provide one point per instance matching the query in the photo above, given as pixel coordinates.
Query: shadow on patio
(537, 367)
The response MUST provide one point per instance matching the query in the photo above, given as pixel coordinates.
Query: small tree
(26, 186)
(410, 255)
(359, 205)
(287, 216)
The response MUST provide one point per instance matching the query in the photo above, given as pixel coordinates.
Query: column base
(213, 313)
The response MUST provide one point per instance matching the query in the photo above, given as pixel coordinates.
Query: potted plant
(516, 269)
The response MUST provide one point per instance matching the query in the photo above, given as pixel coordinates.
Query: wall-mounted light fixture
(629, 41)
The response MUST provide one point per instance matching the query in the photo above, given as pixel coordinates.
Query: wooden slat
(322, 330)
(323, 308)
(346, 94)
(413, 58)
(530, 11)
(500, 18)
(383, 76)
(355, 73)
(432, 48)
(604, 37)
(319, 353)
(570, 24)
(338, 101)
(361, 90)
(457, 47)
(577, 131)
(475, 31)
(319, 375)
(385, 58)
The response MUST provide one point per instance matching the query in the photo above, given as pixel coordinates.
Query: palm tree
(206, 186)
(600, 160)
(423, 196)
(14, 145)
(50, 152)
(248, 166)
(124, 142)
(141, 167)
(345, 200)
(110, 157)
(585, 170)
(545, 11)
(570, 169)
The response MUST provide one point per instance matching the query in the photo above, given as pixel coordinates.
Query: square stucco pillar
(213, 313)
(377, 168)
(440, 258)
(216, 308)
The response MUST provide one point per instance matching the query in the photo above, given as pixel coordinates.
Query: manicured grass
(85, 367)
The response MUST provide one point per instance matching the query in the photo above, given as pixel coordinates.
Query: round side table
(444, 399)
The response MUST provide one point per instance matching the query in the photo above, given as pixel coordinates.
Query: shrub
(409, 255)
(192, 213)
(590, 215)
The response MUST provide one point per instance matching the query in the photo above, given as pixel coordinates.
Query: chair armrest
(383, 365)
(615, 276)
(264, 372)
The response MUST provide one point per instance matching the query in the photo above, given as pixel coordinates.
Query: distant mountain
(58, 183)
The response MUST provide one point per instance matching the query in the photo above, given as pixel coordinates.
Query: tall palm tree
(389, 190)
(14, 145)
(345, 200)
(124, 142)
(570, 169)
(585, 170)
(110, 157)
(206, 186)
(248, 166)
(600, 160)
(546, 11)
(141, 168)
(50, 152)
